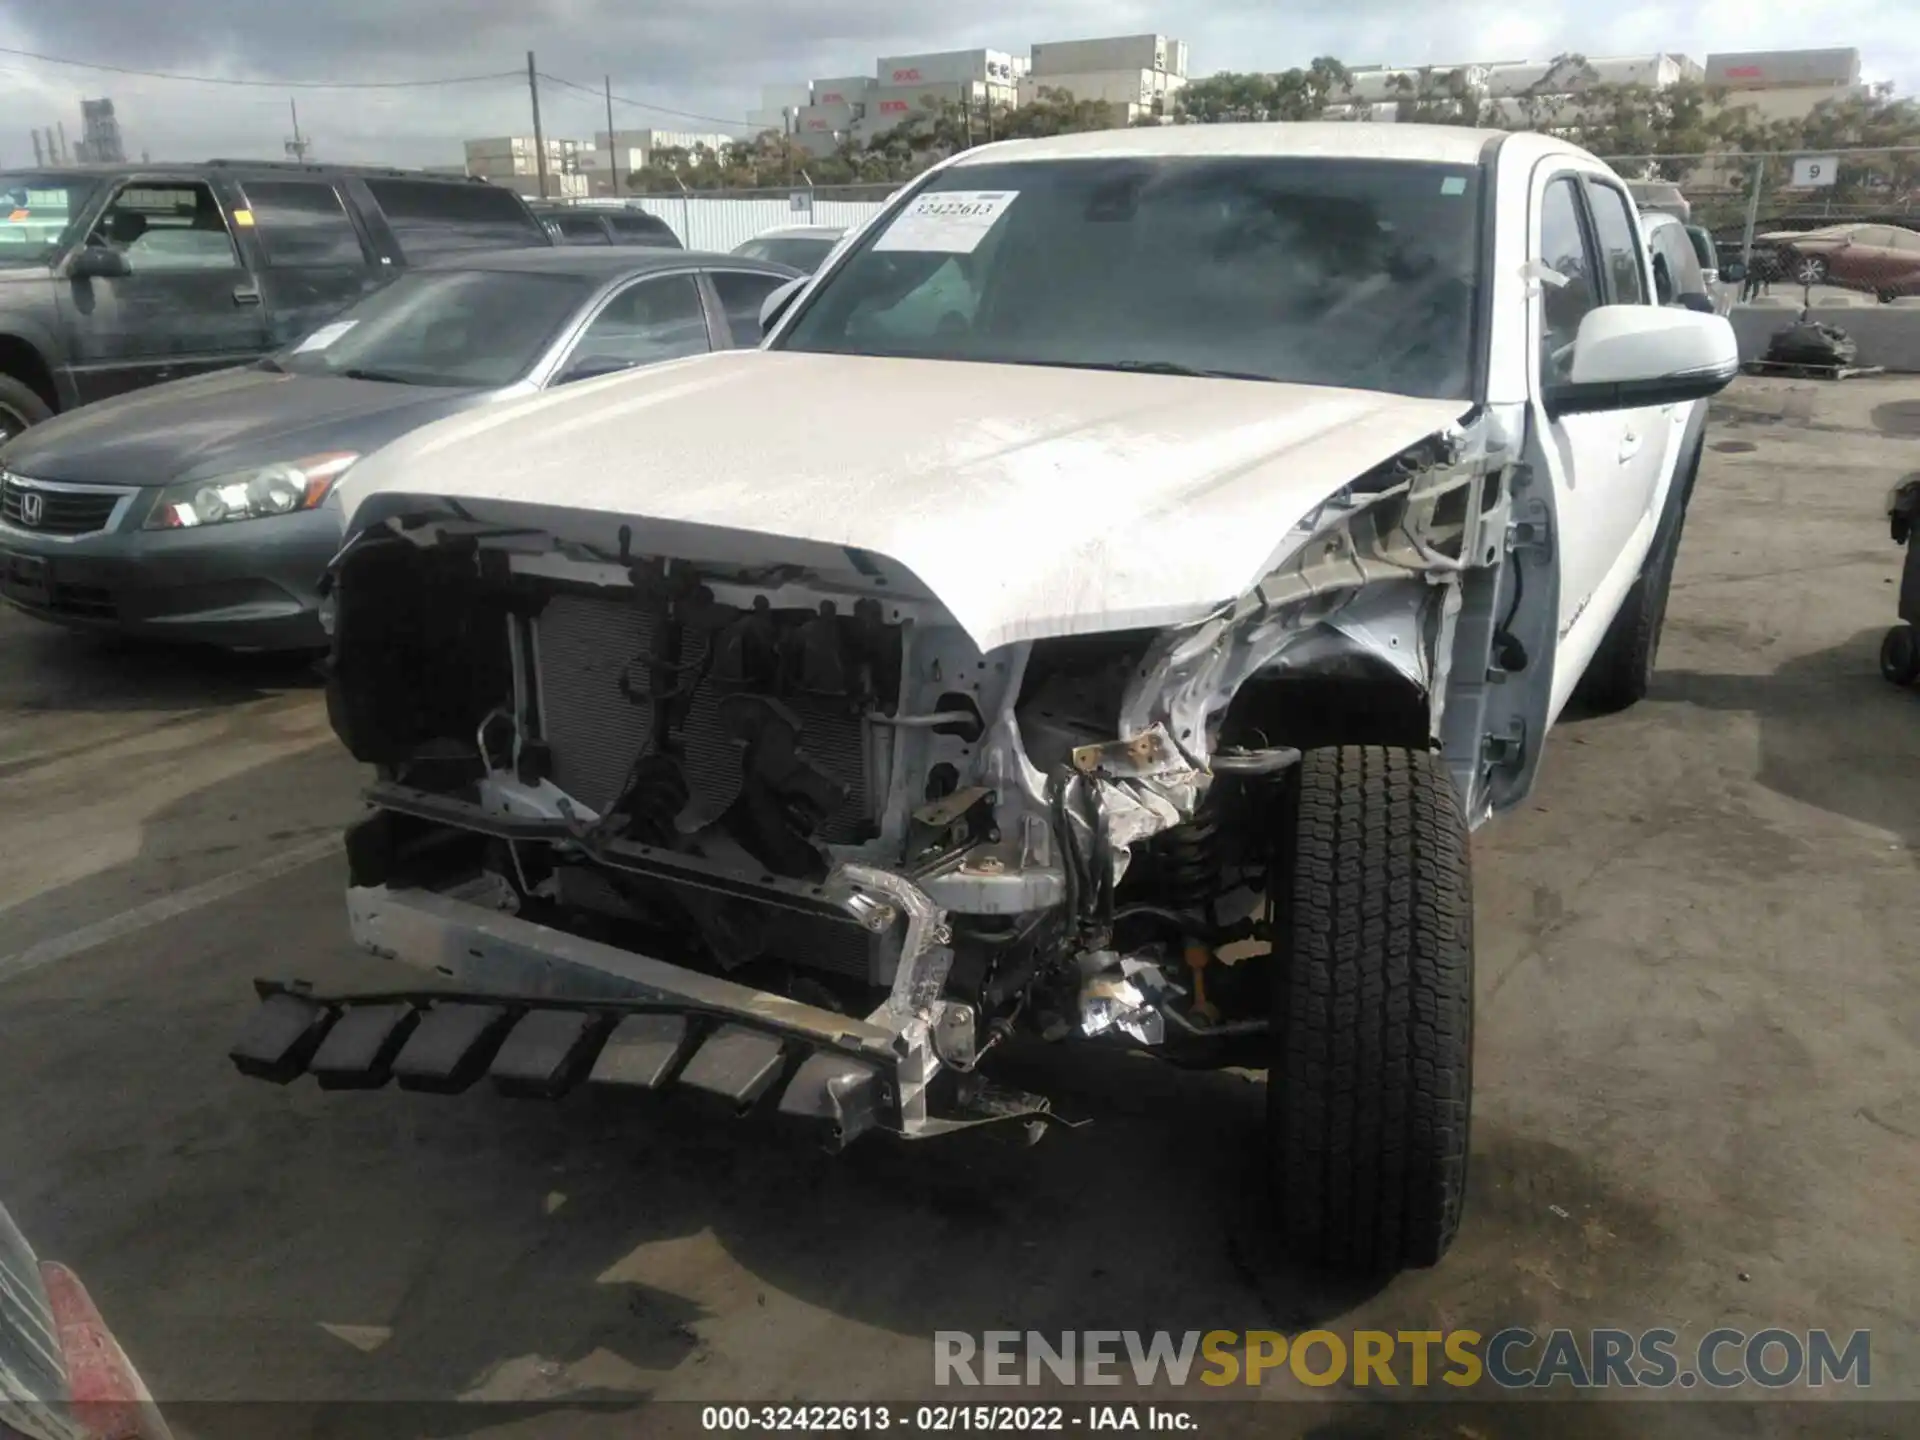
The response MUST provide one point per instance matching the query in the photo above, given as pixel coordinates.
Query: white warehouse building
(1134, 73)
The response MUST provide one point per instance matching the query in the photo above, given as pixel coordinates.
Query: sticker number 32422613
(947, 222)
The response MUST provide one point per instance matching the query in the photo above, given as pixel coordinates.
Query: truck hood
(224, 421)
(1030, 501)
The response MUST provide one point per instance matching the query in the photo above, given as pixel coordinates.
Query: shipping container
(1383, 83)
(1764, 69)
(600, 161)
(1560, 77)
(1093, 57)
(952, 66)
(785, 97)
(828, 118)
(1133, 87)
(848, 91)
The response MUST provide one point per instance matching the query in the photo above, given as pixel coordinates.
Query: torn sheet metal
(1122, 993)
(1365, 578)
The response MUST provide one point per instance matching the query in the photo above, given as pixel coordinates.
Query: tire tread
(1369, 1095)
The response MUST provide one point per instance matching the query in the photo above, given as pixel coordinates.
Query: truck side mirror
(98, 262)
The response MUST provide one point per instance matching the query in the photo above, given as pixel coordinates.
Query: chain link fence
(1844, 219)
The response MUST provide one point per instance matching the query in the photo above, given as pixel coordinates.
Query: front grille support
(58, 510)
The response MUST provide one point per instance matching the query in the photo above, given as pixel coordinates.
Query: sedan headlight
(253, 494)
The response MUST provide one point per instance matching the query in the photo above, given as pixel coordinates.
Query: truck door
(315, 260)
(189, 303)
(1597, 462)
(1653, 432)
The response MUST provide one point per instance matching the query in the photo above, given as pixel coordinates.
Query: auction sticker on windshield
(949, 222)
(324, 336)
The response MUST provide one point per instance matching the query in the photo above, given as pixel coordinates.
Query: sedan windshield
(467, 328)
(38, 214)
(1323, 271)
(802, 252)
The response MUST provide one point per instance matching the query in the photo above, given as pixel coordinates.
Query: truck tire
(1370, 1080)
(1621, 671)
(20, 406)
(1900, 656)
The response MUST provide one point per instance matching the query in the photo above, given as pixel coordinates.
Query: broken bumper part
(541, 1010)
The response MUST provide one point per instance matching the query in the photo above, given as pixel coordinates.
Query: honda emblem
(33, 505)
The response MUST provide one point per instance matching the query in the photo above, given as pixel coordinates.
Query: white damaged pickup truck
(1099, 613)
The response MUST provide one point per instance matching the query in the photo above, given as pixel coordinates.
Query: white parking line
(165, 907)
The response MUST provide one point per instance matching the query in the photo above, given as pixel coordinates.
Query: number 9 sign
(1813, 171)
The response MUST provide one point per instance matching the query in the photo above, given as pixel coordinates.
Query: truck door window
(166, 227)
(1619, 245)
(1565, 250)
(303, 223)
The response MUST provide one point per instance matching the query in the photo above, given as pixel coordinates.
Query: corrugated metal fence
(707, 223)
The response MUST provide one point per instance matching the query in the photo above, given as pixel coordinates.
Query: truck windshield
(478, 328)
(38, 214)
(1326, 271)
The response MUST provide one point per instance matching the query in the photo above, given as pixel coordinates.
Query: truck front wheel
(1370, 1079)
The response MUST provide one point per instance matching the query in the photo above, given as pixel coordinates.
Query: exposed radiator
(595, 731)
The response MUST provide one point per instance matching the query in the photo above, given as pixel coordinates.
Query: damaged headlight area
(771, 827)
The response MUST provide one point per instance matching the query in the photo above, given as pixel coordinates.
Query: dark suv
(606, 225)
(116, 278)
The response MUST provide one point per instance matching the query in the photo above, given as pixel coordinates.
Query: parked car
(124, 515)
(604, 225)
(115, 278)
(1132, 545)
(1882, 259)
(805, 247)
(63, 1375)
(1678, 276)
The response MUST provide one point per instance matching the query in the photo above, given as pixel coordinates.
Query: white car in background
(1100, 612)
(804, 247)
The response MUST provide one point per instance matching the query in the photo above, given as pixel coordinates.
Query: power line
(262, 84)
(598, 93)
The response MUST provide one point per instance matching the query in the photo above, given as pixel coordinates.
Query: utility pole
(1753, 213)
(297, 147)
(539, 135)
(613, 154)
(37, 160)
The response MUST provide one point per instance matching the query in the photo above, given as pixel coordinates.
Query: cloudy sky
(711, 56)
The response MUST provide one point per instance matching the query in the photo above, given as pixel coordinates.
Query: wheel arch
(24, 357)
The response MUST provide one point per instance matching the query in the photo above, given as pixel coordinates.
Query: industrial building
(617, 155)
(514, 160)
(1785, 84)
(99, 143)
(1779, 84)
(1134, 74)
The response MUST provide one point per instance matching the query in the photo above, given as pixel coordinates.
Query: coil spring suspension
(1191, 863)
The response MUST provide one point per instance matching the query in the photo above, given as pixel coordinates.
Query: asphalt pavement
(1697, 1068)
